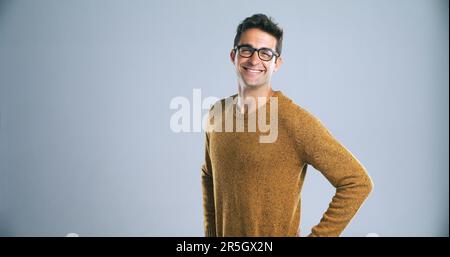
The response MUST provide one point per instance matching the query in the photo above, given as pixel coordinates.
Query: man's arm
(208, 193)
(342, 170)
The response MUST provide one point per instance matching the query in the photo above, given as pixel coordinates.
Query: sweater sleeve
(208, 193)
(321, 150)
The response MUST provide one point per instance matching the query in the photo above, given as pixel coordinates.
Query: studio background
(85, 86)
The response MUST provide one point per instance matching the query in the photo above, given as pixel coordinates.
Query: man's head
(255, 67)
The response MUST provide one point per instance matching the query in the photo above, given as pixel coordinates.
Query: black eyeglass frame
(274, 53)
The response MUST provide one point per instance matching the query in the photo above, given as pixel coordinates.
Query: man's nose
(254, 59)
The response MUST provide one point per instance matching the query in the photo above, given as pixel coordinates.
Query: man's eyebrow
(249, 45)
(246, 45)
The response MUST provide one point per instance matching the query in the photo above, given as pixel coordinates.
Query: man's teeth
(252, 70)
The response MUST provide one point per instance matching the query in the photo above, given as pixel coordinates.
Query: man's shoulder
(289, 108)
(297, 117)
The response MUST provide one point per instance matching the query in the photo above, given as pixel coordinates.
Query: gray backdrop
(85, 141)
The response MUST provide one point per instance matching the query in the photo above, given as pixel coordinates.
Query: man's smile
(252, 70)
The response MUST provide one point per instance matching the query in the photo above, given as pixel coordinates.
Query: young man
(254, 189)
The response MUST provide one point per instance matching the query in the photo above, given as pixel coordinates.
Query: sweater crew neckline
(276, 93)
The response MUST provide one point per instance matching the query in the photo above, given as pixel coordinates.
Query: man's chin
(251, 84)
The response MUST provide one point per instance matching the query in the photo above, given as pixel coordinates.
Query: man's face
(252, 71)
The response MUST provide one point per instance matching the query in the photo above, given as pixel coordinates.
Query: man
(252, 188)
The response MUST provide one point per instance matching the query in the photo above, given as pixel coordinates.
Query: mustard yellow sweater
(254, 189)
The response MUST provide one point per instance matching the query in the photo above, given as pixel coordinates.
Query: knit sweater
(254, 189)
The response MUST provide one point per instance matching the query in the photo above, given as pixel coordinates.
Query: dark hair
(264, 23)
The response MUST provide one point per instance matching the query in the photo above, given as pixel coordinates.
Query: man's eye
(246, 51)
(266, 53)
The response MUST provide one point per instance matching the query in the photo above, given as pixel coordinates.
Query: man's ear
(232, 55)
(278, 63)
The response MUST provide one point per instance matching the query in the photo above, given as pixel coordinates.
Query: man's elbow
(367, 186)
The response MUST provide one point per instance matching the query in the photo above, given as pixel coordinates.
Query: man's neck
(248, 97)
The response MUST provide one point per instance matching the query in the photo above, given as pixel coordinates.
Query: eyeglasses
(265, 54)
